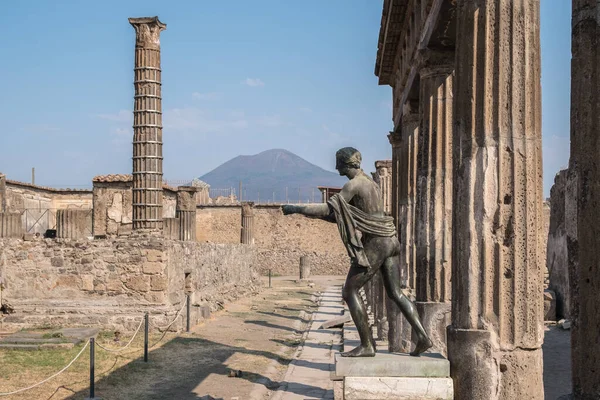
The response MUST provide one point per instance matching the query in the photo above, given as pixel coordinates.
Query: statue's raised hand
(289, 209)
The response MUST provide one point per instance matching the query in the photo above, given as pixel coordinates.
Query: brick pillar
(433, 229)
(147, 125)
(494, 343)
(247, 235)
(186, 212)
(399, 334)
(585, 145)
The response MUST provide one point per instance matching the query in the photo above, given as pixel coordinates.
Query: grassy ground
(256, 336)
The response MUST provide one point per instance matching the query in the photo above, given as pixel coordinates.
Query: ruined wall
(37, 204)
(20, 196)
(280, 240)
(112, 282)
(113, 208)
(113, 204)
(218, 273)
(562, 239)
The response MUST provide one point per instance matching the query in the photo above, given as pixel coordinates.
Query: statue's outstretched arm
(320, 210)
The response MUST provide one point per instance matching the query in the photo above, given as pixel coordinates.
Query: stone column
(73, 223)
(304, 267)
(247, 223)
(585, 145)
(186, 212)
(147, 125)
(433, 225)
(394, 138)
(399, 334)
(494, 343)
(2, 193)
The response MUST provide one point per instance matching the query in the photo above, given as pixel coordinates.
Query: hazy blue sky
(239, 77)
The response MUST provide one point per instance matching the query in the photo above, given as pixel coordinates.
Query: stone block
(152, 267)
(138, 283)
(399, 388)
(114, 285)
(393, 365)
(153, 255)
(158, 283)
(71, 281)
(87, 282)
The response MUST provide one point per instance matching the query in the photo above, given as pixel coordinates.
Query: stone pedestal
(497, 277)
(585, 147)
(435, 317)
(394, 376)
(304, 267)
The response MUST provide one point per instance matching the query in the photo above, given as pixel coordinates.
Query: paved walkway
(308, 375)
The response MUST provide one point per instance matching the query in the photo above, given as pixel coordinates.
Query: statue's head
(346, 159)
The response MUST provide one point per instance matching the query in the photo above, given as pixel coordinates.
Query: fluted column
(73, 223)
(433, 228)
(147, 125)
(395, 141)
(494, 343)
(584, 273)
(186, 212)
(399, 333)
(247, 234)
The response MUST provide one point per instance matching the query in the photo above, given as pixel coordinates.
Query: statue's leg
(391, 281)
(357, 277)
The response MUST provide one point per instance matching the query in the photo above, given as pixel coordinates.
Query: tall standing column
(247, 235)
(399, 334)
(147, 125)
(585, 150)
(494, 343)
(186, 212)
(433, 228)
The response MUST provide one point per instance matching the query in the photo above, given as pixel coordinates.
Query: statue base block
(394, 376)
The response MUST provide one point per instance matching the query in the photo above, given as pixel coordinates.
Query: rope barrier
(47, 379)
(163, 328)
(127, 345)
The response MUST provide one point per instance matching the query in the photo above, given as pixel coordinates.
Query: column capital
(435, 62)
(395, 138)
(147, 31)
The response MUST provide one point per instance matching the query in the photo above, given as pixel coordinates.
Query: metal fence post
(92, 362)
(146, 338)
(269, 278)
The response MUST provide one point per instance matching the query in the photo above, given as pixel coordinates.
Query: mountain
(265, 177)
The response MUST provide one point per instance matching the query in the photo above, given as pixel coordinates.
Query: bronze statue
(372, 243)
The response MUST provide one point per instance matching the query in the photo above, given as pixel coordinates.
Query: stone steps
(44, 339)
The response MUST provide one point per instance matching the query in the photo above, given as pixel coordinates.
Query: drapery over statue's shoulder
(353, 222)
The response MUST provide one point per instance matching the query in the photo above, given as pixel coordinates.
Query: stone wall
(280, 240)
(112, 282)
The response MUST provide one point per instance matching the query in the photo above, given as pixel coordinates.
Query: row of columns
(467, 188)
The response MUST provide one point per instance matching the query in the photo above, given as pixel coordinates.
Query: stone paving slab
(308, 375)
